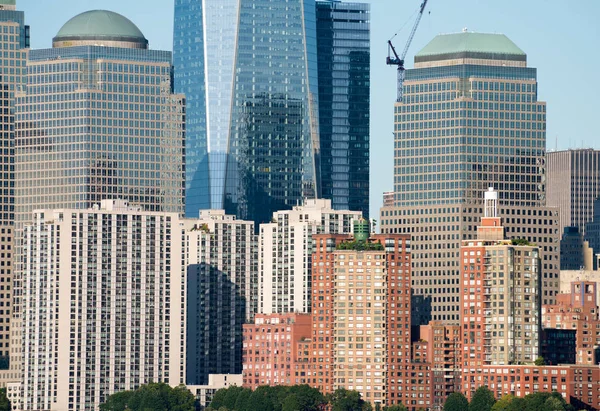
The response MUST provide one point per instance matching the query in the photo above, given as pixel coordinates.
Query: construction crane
(399, 60)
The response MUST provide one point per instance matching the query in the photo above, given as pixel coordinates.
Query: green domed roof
(99, 25)
(8, 2)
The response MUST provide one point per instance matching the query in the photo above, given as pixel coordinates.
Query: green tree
(456, 402)
(504, 403)
(243, 398)
(307, 398)
(151, 397)
(344, 400)
(117, 402)
(4, 402)
(539, 361)
(396, 407)
(483, 399)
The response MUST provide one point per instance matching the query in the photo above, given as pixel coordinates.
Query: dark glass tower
(343, 44)
(248, 69)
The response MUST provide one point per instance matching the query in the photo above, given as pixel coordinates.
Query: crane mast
(396, 60)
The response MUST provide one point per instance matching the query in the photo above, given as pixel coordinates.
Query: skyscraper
(343, 50)
(96, 120)
(573, 185)
(470, 119)
(248, 69)
(13, 45)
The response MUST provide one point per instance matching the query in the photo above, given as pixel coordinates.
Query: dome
(100, 27)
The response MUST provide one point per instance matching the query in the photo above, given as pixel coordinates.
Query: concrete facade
(286, 246)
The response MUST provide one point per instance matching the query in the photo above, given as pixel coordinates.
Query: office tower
(276, 350)
(221, 260)
(343, 52)
(121, 138)
(97, 120)
(575, 252)
(285, 250)
(248, 69)
(470, 119)
(573, 183)
(500, 300)
(13, 45)
(102, 304)
(592, 228)
(361, 318)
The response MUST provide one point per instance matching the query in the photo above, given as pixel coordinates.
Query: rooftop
(8, 2)
(469, 44)
(99, 26)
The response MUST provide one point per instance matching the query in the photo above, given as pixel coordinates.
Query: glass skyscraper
(343, 45)
(248, 69)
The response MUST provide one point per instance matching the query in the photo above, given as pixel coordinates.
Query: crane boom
(399, 60)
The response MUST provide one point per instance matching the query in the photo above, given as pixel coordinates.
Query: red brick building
(361, 312)
(276, 350)
(577, 310)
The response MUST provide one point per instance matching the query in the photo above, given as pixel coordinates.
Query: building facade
(13, 45)
(573, 183)
(286, 246)
(343, 54)
(470, 119)
(276, 350)
(101, 304)
(578, 310)
(252, 131)
(500, 301)
(96, 120)
(221, 285)
(361, 319)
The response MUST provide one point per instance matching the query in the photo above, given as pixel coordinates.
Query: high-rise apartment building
(470, 119)
(573, 183)
(102, 304)
(500, 300)
(343, 54)
(286, 246)
(221, 285)
(249, 72)
(362, 318)
(13, 46)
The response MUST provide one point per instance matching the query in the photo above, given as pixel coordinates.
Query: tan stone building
(470, 119)
(14, 44)
(573, 184)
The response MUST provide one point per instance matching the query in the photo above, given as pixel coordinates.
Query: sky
(560, 38)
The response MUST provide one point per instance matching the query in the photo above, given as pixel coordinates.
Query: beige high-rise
(470, 119)
(14, 44)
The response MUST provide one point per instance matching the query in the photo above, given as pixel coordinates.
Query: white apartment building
(102, 304)
(115, 297)
(285, 251)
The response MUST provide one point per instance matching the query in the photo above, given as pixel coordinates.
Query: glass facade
(343, 40)
(463, 128)
(250, 78)
(98, 123)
